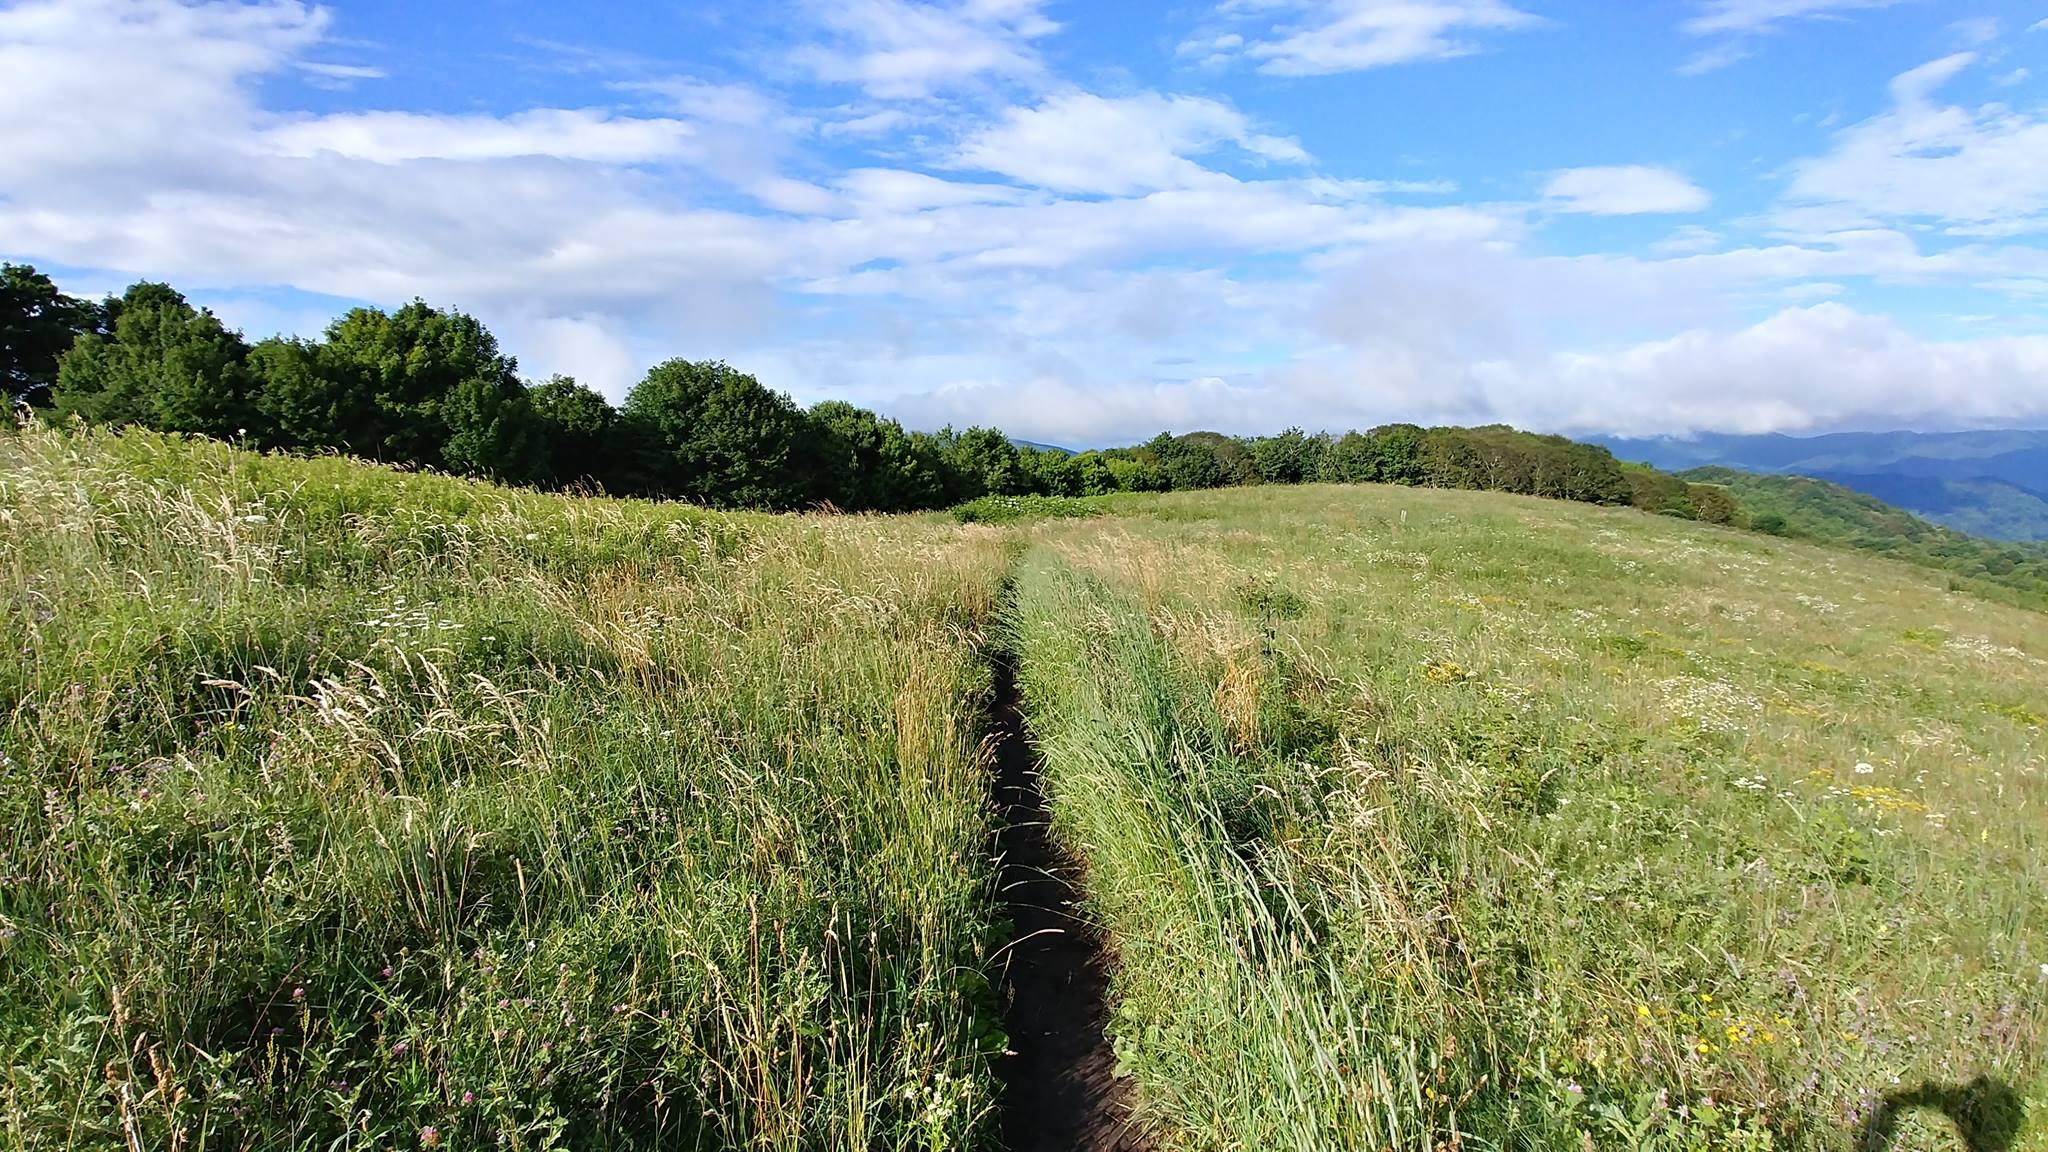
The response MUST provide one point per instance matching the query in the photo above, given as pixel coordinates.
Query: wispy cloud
(1318, 37)
(1981, 171)
(1080, 142)
(1738, 23)
(907, 49)
(562, 134)
(339, 72)
(1625, 190)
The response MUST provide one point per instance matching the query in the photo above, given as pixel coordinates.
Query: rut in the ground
(1059, 1088)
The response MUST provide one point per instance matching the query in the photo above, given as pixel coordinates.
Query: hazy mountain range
(1991, 484)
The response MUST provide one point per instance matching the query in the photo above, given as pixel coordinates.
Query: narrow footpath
(1059, 1090)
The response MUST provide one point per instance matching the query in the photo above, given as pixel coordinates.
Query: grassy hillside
(1820, 510)
(1413, 813)
(348, 808)
(1986, 483)
(1978, 506)
(351, 809)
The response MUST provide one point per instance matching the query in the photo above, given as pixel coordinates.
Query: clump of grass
(349, 808)
(1540, 827)
(1015, 509)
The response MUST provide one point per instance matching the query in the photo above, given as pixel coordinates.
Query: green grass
(1416, 813)
(2012, 571)
(349, 808)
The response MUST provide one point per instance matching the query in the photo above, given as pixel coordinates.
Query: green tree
(424, 386)
(1397, 453)
(707, 432)
(1093, 473)
(1352, 459)
(1235, 462)
(987, 463)
(37, 326)
(301, 404)
(1712, 503)
(864, 462)
(1290, 457)
(1187, 463)
(1449, 459)
(1135, 471)
(161, 364)
(1049, 473)
(1592, 474)
(492, 431)
(579, 427)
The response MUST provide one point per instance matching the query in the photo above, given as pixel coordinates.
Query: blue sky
(1088, 222)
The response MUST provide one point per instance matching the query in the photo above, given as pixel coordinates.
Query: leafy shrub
(1711, 503)
(1012, 509)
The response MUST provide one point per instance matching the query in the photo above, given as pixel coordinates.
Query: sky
(1085, 222)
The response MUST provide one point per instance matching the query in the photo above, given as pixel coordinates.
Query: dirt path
(1058, 1090)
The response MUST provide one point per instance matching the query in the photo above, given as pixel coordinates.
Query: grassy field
(344, 808)
(1428, 818)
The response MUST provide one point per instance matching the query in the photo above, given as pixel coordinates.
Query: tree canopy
(37, 326)
(428, 387)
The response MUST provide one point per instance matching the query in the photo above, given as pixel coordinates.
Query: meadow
(351, 809)
(1420, 819)
(354, 808)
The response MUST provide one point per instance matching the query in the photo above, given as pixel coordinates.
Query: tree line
(426, 387)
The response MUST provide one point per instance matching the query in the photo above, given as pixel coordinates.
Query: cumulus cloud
(1077, 267)
(1806, 369)
(1626, 190)
(1318, 37)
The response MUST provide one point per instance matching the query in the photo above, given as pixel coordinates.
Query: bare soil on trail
(1060, 1092)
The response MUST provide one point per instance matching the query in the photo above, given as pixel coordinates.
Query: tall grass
(345, 808)
(1433, 819)
(348, 809)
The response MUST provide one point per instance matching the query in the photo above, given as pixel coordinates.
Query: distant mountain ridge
(1992, 484)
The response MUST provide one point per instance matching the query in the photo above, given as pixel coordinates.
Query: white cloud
(907, 49)
(1738, 23)
(739, 104)
(134, 82)
(1688, 239)
(1080, 142)
(892, 190)
(1753, 16)
(595, 349)
(1142, 261)
(341, 73)
(1318, 37)
(1625, 190)
(1981, 171)
(391, 137)
(1976, 31)
(1804, 369)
